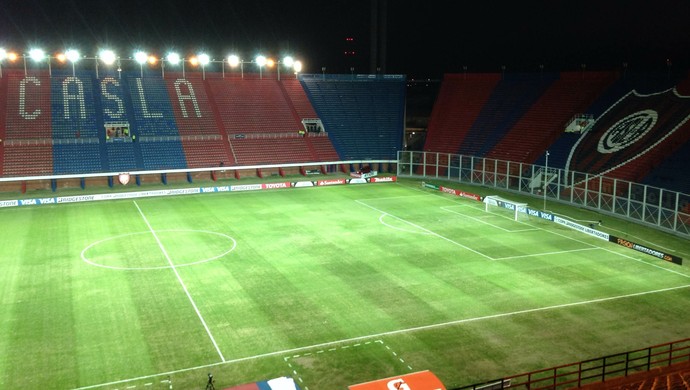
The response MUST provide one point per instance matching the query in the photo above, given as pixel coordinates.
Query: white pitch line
(426, 230)
(446, 208)
(392, 332)
(547, 253)
(179, 278)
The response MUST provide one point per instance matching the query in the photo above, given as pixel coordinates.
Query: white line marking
(381, 220)
(546, 253)
(394, 332)
(446, 208)
(426, 230)
(179, 278)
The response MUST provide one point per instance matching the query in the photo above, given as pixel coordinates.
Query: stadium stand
(546, 119)
(27, 145)
(459, 102)
(363, 115)
(510, 99)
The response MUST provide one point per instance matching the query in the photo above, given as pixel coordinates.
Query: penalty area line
(394, 332)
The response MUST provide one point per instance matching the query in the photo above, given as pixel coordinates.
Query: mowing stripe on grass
(426, 230)
(179, 278)
(393, 332)
(446, 208)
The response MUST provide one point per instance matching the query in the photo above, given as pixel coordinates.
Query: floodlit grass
(332, 285)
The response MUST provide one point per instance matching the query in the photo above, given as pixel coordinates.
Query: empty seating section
(27, 145)
(201, 154)
(509, 101)
(121, 157)
(153, 112)
(298, 98)
(28, 106)
(253, 106)
(72, 103)
(365, 119)
(546, 119)
(272, 150)
(28, 158)
(162, 155)
(323, 148)
(76, 158)
(191, 107)
(459, 102)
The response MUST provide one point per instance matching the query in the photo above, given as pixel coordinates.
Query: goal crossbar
(494, 200)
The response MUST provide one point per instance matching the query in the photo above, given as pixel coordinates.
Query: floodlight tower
(107, 56)
(73, 56)
(141, 58)
(260, 61)
(204, 59)
(35, 54)
(233, 61)
(3, 55)
(173, 59)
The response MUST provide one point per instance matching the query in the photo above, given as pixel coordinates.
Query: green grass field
(331, 285)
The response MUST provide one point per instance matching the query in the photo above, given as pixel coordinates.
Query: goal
(493, 202)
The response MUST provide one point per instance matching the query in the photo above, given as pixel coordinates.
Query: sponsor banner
(299, 184)
(510, 206)
(384, 179)
(581, 228)
(215, 189)
(9, 203)
(331, 182)
(540, 214)
(432, 186)
(271, 186)
(246, 187)
(641, 248)
(422, 380)
(359, 180)
(459, 193)
(364, 175)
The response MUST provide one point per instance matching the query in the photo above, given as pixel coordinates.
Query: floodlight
(108, 57)
(204, 59)
(270, 62)
(12, 56)
(152, 60)
(233, 60)
(37, 54)
(72, 55)
(141, 57)
(288, 61)
(3, 54)
(194, 61)
(260, 60)
(297, 66)
(173, 58)
(61, 57)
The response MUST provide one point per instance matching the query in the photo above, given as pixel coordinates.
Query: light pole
(203, 61)
(141, 57)
(260, 61)
(545, 176)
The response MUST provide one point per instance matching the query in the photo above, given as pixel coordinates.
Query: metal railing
(657, 207)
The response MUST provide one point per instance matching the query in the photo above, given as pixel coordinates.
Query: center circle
(146, 251)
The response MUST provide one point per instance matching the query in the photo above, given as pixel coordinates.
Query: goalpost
(494, 201)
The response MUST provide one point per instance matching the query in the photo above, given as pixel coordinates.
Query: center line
(179, 278)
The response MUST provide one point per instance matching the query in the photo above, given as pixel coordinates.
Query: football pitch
(329, 285)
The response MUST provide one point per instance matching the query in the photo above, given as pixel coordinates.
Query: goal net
(495, 203)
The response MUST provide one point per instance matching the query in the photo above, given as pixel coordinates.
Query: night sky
(423, 38)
